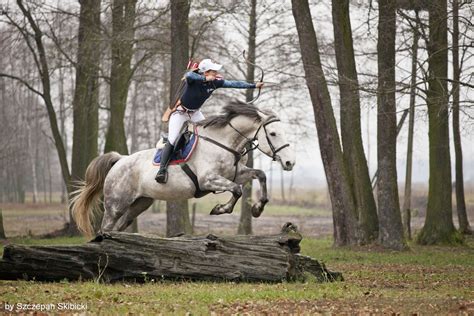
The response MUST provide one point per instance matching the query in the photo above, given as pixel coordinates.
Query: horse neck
(229, 136)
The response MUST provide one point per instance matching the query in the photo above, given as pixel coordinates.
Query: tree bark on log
(124, 256)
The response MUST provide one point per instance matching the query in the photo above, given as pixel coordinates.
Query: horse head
(272, 141)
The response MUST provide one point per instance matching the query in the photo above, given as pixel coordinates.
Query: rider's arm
(237, 84)
(194, 77)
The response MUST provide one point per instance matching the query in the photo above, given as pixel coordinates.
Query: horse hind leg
(114, 210)
(138, 206)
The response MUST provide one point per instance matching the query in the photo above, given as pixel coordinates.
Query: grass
(416, 255)
(423, 279)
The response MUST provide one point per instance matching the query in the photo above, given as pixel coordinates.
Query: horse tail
(85, 200)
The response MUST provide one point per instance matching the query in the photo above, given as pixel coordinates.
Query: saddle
(184, 147)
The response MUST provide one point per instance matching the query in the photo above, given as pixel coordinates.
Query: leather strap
(198, 193)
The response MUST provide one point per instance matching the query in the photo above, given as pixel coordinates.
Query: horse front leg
(247, 174)
(215, 182)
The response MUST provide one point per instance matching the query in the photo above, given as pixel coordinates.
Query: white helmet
(207, 64)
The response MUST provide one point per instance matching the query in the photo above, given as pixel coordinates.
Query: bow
(261, 77)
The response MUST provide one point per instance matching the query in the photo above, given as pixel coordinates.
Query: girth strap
(199, 193)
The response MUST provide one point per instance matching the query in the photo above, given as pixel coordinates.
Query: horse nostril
(288, 164)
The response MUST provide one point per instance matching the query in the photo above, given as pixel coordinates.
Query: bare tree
(33, 36)
(438, 227)
(353, 150)
(245, 223)
(464, 226)
(343, 206)
(390, 223)
(123, 33)
(177, 214)
(2, 229)
(406, 210)
(86, 92)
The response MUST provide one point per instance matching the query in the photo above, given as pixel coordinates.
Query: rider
(199, 87)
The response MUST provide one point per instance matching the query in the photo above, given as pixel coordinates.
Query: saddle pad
(180, 155)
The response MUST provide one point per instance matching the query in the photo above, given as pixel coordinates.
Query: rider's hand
(210, 77)
(259, 85)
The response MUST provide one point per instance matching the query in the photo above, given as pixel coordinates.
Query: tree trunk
(123, 256)
(353, 149)
(177, 214)
(438, 227)
(62, 124)
(86, 94)
(464, 226)
(2, 229)
(290, 191)
(43, 175)
(245, 223)
(133, 125)
(123, 33)
(270, 182)
(343, 206)
(390, 222)
(50, 176)
(32, 158)
(406, 213)
(19, 188)
(399, 128)
(177, 219)
(282, 186)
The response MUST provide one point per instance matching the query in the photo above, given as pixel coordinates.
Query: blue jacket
(198, 90)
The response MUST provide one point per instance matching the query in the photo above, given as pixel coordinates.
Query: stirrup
(162, 176)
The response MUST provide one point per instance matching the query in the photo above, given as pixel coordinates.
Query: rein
(237, 155)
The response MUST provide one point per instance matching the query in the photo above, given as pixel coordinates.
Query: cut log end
(120, 256)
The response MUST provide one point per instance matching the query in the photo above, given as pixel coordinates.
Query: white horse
(218, 164)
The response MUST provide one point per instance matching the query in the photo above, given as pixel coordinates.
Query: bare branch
(26, 84)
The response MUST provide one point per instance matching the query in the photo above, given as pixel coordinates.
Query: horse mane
(230, 111)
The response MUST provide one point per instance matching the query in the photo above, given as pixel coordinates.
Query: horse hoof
(221, 209)
(218, 210)
(101, 236)
(257, 209)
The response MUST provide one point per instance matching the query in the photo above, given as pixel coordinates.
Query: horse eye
(273, 134)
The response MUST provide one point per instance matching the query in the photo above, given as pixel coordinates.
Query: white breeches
(177, 120)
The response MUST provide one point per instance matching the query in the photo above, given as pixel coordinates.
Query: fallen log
(124, 256)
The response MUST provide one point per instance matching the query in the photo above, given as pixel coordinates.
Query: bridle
(238, 155)
(250, 141)
(254, 146)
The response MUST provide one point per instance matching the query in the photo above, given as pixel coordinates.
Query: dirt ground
(37, 220)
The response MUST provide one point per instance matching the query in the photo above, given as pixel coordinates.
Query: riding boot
(162, 175)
